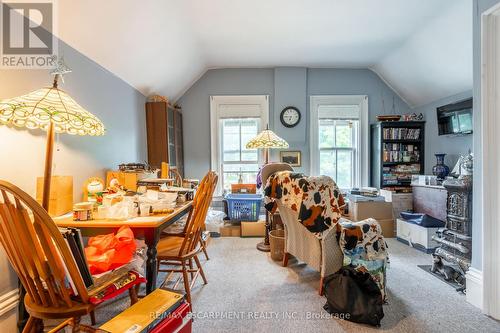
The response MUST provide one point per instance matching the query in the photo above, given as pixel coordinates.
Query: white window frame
(361, 177)
(218, 112)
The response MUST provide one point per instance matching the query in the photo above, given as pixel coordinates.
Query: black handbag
(353, 296)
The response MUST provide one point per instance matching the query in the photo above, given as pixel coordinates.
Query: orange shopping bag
(106, 252)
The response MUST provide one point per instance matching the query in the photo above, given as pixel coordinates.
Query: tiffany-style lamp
(51, 110)
(266, 140)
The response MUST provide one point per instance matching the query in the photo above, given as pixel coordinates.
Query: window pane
(230, 130)
(328, 163)
(344, 168)
(249, 129)
(343, 136)
(326, 133)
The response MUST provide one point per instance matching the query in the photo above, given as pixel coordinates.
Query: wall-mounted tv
(455, 118)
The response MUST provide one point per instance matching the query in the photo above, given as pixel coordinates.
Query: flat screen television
(455, 118)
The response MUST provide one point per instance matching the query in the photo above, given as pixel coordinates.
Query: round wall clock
(290, 116)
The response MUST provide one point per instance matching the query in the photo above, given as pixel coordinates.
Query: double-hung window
(235, 120)
(339, 139)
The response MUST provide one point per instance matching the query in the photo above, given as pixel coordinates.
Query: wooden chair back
(37, 250)
(196, 220)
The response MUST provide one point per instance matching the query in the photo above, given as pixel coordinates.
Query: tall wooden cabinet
(164, 134)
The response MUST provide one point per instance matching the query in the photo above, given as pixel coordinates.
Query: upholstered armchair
(324, 255)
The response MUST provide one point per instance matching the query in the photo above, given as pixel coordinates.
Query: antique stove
(456, 238)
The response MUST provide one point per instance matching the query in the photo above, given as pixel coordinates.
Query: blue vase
(440, 170)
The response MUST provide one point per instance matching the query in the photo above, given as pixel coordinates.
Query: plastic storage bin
(243, 207)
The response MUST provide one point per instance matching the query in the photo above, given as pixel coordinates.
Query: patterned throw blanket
(317, 200)
(364, 248)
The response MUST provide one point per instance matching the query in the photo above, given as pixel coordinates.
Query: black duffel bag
(353, 296)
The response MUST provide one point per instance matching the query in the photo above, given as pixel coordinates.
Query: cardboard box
(253, 229)
(127, 179)
(61, 194)
(230, 230)
(387, 228)
(379, 210)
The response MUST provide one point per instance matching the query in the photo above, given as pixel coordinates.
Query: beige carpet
(248, 292)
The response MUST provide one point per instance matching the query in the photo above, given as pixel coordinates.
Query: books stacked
(73, 238)
(399, 152)
(401, 133)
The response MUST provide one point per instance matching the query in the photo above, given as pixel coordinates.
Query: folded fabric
(365, 249)
(110, 251)
(317, 200)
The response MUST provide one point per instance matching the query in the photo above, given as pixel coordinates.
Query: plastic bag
(110, 251)
(214, 220)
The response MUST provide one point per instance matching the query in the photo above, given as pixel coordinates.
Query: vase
(440, 170)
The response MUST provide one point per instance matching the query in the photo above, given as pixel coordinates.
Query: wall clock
(290, 116)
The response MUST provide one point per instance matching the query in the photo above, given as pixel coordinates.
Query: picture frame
(291, 157)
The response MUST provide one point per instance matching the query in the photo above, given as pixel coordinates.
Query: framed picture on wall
(291, 157)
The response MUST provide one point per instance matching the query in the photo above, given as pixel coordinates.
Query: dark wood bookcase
(164, 134)
(398, 151)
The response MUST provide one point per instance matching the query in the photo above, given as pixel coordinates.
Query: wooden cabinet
(164, 134)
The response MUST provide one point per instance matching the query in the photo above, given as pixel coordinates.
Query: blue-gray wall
(285, 86)
(452, 145)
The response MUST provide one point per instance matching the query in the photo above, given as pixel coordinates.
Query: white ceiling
(422, 48)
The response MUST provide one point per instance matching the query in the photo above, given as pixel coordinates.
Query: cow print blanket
(317, 200)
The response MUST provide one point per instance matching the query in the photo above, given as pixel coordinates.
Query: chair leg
(132, 292)
(320, 290)
(76, 325)
(285, 259)
(191, 267)
(204, 248)
(30, 325)
(92, 317)
(186, 282)
(201, 269)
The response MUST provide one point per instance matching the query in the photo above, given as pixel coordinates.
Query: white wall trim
(215, 114)
(9, 301)
(474, 278)
(362, 101)
(490, 141)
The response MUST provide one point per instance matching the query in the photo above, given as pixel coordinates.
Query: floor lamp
(51, 110)
(266, 140)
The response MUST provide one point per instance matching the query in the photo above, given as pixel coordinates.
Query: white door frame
(490, 141)
(362, 101)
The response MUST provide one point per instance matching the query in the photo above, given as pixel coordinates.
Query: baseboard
(8, 301)
(474, 278)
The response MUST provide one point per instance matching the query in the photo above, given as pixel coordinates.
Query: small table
(150, 228)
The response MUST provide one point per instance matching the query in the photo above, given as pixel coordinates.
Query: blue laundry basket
(243, 207)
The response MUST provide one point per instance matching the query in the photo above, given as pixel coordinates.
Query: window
(338, 150)
(234, 121)
(237, 161)
(339, 139)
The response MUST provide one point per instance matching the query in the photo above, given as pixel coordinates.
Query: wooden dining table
(149, 228)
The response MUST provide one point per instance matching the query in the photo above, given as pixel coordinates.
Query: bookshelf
(398, 152)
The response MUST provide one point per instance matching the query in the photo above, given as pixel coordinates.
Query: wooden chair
(38, 252)
(181, 251)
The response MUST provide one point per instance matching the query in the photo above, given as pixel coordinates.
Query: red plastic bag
(106, 252)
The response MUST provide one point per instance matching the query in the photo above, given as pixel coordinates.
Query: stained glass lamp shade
(54, 111)
(267, 139)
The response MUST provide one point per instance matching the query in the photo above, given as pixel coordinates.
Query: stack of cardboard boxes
(374, 208)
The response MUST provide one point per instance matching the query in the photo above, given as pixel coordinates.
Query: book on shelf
(396, 133)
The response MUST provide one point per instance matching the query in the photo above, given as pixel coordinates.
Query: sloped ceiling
(422, 48)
